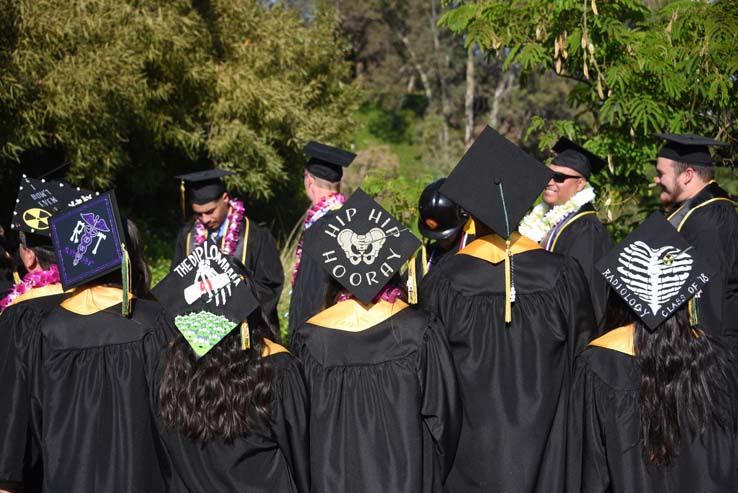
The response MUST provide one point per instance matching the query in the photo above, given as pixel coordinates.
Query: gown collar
(94, 299)
(492, 247)
(620, 339)
(353, 316)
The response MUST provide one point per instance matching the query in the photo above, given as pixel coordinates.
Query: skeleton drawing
(361, 248)
(208, 281)
(654, 275)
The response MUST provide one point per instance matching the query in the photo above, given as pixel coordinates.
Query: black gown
(262, 262)
(514, 378)
(274, 460)
(711, 226)
(76, 396)
(385, 411)
(585, 238)
(604, 449)
(308, 292)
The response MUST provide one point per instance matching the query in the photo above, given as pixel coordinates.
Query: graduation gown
(260, 256)
(604, 449)
(709, 222)
(75, 392)
(384, 405)
(585, 238)
(308, 291)
(270, 460)
(514, 378)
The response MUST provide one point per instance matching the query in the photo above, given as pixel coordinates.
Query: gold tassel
(182, 199)
(470, 227)
(245, 336)
(16, 277)
(412, 280)
(126, 280)
(508, 303)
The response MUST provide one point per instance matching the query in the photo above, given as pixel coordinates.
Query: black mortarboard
(327, 162)
(208, 295)
(361, 245)
(89, 241)
(496, 182)
(689, 149)
(571, 155)
(654, 270)
(38, 201)
(204, 186)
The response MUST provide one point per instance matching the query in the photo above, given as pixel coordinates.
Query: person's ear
(581, 182)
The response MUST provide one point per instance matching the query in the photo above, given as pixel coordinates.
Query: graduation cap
(654, 270)
(571, 155)
(361, 245)
(689, 148)
(90, 242)
(204, 186)
(38, 201)
(496, 182)
(209, 296)
(327, 162)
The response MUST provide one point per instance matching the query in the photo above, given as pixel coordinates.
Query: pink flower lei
(328, 203)
(233, 228)
(389, 293)
(30, 281)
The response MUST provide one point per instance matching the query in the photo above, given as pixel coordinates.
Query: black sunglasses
(561, 177)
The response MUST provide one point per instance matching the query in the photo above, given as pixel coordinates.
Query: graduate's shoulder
(610, 358)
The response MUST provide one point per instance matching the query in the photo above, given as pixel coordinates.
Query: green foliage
(153, 87)
(636, 72)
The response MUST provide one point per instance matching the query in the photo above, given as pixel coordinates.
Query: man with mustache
(566, 222)
(705, 215)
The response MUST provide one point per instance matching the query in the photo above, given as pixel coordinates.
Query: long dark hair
(686, 383)
(140, 273)
(224, 394)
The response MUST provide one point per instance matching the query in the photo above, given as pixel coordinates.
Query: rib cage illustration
(654, 275)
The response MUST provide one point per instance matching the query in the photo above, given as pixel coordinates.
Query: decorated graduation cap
(361, 246)
(571, 155)
(327, 162)
(204, 186)
(209, 297)
(655, 271)
(689, 148)
(38, 201)
(497, 182)
(90, 242)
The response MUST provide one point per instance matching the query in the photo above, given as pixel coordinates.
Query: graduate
(221, 219)
(515, 316)
(76, 369)
(565, 222)
(706, 216)
(38, 201)
(231, 404)
(653, 405)
(442, 224)
(385, 410)
(323, 173)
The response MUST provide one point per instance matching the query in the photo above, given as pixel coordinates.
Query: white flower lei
(543, 218)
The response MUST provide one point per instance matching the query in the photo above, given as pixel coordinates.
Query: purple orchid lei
(30, 281)
(389, 293)
(328, 203)
(233, 228)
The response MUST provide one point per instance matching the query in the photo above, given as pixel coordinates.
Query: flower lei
(389, 293)
(233, 228)
(30, 281)
(543, 218)
(328, 203)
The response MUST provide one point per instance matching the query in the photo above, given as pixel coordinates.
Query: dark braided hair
(224, 394)
(686, 385)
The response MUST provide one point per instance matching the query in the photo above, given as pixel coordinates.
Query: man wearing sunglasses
(565, 222)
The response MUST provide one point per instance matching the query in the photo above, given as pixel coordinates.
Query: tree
(129, 93)
(635, 71)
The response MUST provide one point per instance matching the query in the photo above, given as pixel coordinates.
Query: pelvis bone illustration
(361, 248)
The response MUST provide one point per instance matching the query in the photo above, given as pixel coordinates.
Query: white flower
(543, 218)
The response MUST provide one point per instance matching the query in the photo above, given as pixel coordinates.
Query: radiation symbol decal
(37, 219)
